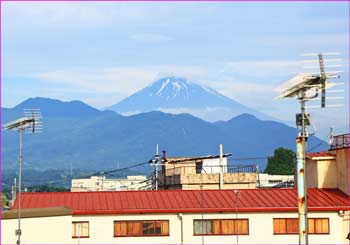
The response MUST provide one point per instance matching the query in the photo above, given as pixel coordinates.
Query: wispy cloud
(150, 37)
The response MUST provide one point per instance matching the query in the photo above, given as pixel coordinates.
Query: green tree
(281, 163)
(4, 200)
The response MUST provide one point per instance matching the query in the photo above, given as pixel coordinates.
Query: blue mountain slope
(103, 140)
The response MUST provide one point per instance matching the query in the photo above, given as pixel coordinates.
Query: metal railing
(242, 169)
(340, 141)
(185, 170)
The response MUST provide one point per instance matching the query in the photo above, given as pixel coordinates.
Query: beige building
(330, 169)
(251, 216)
(205, 172)
(100, 183)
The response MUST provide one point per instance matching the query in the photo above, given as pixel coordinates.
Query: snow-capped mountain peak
(170, 87)
(178, 95)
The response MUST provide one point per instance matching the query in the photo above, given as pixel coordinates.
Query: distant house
(100, 183)
(248, 216)
(203, 172)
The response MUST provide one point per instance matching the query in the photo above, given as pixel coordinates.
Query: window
(199, 167)
(318, 225)
(80, 229)
(141, 228)
(291, 226)
(221, 227)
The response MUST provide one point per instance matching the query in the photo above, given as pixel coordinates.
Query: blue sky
(102, 52)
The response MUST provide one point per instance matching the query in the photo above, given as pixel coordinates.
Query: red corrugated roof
(320, 154)
(171, 201)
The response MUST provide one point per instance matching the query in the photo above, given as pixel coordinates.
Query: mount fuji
(177, 95)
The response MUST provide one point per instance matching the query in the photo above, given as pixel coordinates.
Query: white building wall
(58, 229)
(43, 230)
(99, 183)
(267, 180)
(212, 166)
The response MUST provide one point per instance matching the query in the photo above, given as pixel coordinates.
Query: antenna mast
(299, 87)
(31, 123)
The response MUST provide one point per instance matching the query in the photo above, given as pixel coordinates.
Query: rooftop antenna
(307, 87)
(30, 123)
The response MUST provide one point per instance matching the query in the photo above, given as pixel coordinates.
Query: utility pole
(236, 194)
(301, 84)
(301, 186)
(221, 177)
(155, 161)
(30, 122)
(19, 231)
(156, 168)
(14, 191)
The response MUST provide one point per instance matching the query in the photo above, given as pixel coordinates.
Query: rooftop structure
(100, 183)
(330, 169)
(203, 172)
(268, 180)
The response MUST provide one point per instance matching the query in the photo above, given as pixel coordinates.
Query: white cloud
(121, 81)
(150, 37)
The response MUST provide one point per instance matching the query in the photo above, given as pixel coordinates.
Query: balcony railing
(241, 169)
(340, 141)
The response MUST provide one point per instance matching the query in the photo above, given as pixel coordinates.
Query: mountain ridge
(107, 139)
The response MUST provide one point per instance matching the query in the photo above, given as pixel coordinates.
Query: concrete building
(268, 180)
(330, 169)
(190, 173)
(100, 183)
(249, 216)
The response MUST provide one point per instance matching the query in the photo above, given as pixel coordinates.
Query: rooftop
(190, 201)
(320, 155)
(186, 159)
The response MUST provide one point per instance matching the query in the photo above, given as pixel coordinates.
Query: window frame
(141, 222)
(81, 222)
(221, 233)
(296, 233)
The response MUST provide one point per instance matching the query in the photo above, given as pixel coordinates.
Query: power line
(312, 148)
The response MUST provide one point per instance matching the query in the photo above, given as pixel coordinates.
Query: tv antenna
(31, 122)
(309, 87)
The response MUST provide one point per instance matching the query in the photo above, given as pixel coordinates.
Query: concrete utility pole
(301, 187)
(298, 87)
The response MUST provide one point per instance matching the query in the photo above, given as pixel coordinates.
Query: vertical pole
(221, 179)
(14, 191)
(302, 201)
(156, 166)
(236, 194)
(18, 231)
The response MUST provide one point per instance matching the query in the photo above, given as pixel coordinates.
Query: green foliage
(4, 200)
(47, 188)
(281, 163)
